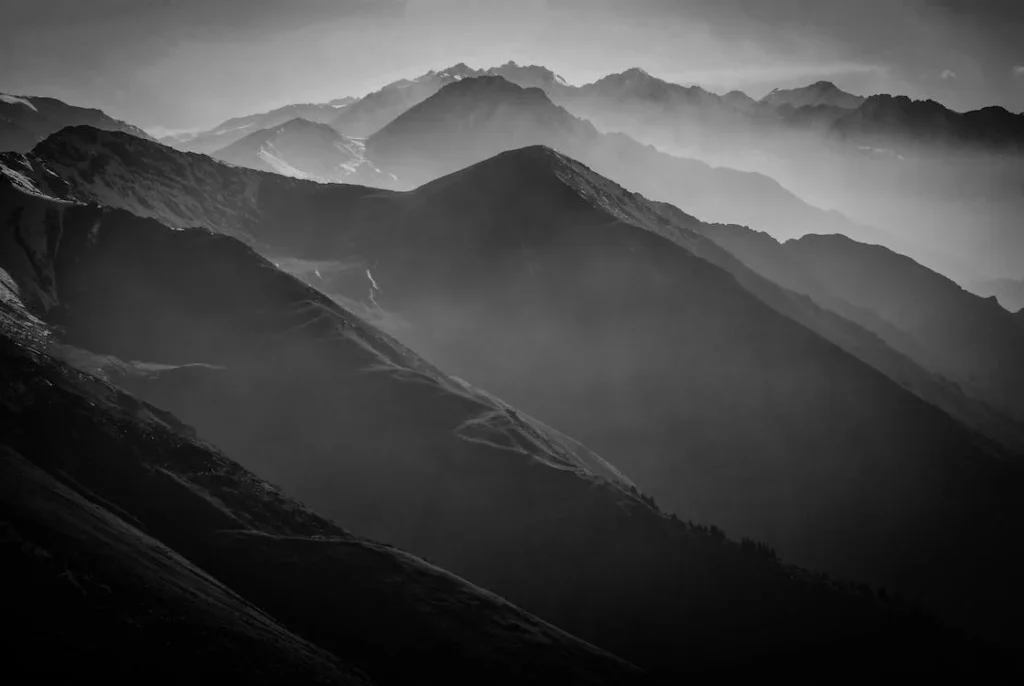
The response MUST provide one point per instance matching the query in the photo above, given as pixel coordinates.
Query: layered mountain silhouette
(311, 397)
(929, 171)
(370, 113)
(968, 339)
(235, 129)
(889, 120)
(306, 150)
(920, 162)
(26, 120)
(817, 94)
(634, 98)
(597, 311)
(470, 120)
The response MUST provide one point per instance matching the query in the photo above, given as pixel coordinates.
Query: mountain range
(595, 411)
(309, 396)
(582, 304)
(931, 171)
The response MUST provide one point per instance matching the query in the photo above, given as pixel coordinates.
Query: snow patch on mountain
(15, 100)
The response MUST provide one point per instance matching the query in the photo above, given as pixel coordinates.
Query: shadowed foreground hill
(133, 552)
(342, 416)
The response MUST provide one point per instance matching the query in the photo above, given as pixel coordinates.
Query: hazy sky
(188, 63)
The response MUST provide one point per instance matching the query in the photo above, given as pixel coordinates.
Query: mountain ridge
(480, 270)
(26, 120)
(279, 352)
(306, 150)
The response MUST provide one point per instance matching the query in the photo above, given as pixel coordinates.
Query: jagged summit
(456, 71)
(458, 100)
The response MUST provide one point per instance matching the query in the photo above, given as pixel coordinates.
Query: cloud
(1018, 70)
(947, 74)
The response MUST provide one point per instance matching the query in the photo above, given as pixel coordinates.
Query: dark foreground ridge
(133, 552)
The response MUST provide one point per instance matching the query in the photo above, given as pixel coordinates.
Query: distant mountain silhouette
(26, 120)
(893, 119)
(929, 171)
(306, 150)
(238, 128)
(608, 316)
(818, 93)
(469, 121)
(341, 415)
(374, 111)
(920, 202)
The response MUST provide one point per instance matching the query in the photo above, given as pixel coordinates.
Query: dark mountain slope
(535, 278)
(341, 415)
(26, 120)
(104, 477)
(90, 595)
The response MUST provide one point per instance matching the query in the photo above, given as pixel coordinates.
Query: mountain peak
(636, 72)
(456, 71)
(489, 84)
(811, 95)
(527, 74)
